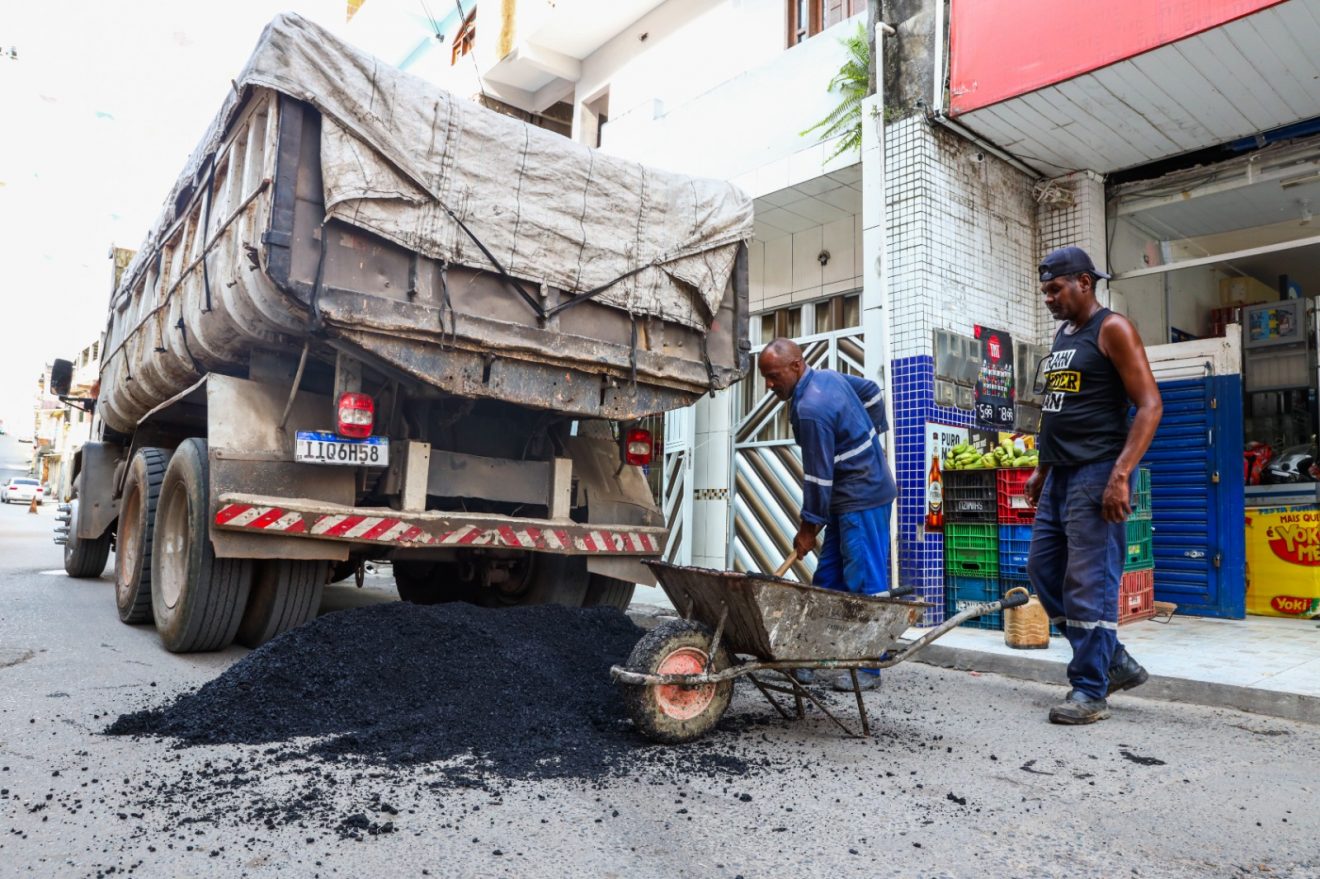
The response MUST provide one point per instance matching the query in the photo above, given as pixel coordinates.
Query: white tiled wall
(1072, 211)
(962, 238)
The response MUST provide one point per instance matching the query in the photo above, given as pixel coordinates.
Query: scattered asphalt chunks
(515, 693)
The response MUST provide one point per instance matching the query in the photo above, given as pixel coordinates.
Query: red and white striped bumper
(284, 517)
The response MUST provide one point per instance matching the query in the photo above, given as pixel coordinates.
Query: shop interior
(1233, 246)
(1236, 244)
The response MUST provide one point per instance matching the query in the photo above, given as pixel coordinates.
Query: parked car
(20, 489)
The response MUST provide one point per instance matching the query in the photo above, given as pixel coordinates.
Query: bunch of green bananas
(964, 456)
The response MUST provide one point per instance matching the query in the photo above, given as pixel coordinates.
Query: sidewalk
(1265, 665)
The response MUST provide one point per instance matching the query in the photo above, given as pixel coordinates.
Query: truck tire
(133, 542)
(285, 594)
(553, 579)
(605, 591)
(423, 582)
(84, 558)
(196, 598)
(669, 713)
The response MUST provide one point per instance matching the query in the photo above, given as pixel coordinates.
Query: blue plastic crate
(1014, 546)
(959, 592)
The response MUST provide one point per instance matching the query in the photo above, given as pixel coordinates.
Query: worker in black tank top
(1082, 487)
(1085, 409)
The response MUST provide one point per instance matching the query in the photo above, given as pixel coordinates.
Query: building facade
(992, 138)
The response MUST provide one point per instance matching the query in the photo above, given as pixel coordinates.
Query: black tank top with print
(1085, 408)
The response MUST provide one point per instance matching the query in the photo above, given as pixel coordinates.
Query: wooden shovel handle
(788, 563)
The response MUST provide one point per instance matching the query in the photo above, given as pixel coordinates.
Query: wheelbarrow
(679, 678)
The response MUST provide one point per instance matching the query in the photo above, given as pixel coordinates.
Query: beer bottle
(934, 497)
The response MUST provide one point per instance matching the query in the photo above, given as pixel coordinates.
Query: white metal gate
(767, 489)
(676, 496)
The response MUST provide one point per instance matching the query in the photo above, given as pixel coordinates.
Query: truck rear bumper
(317, 520)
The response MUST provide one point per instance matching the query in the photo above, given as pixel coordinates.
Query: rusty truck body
(377, 322)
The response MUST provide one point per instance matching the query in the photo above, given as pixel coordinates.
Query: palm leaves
(851, 82)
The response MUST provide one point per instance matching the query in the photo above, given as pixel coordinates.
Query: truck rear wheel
(423, 582)
(133, 542)
(84, 558)
(605, 591)
(196, 598)
(285, 594)
(552, 579)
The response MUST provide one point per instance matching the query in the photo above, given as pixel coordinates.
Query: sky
(99, 112)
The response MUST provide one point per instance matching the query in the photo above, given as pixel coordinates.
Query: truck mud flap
(284, 517)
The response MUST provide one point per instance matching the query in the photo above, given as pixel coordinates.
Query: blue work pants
(854, 556)
(1075, 566)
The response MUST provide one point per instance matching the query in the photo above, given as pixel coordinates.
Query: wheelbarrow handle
(1015, 597)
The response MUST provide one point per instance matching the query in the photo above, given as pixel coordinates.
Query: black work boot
(1125, 673)
(1076, 709)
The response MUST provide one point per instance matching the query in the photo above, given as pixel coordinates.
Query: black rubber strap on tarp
(590, 294)
(508, 279)
(206, 231)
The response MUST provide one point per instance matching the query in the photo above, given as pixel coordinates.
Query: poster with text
(940, 439)
(996, 393)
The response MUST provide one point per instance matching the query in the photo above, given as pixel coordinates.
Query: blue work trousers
(854, 556)
(1075, 565)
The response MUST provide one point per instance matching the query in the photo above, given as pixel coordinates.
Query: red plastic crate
(1014, 509)
(1136, 596)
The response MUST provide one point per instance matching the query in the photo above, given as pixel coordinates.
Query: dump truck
(377, 322)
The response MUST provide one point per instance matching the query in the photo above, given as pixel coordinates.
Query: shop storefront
(1219, 267)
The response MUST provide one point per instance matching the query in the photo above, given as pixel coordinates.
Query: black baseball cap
(1068, 261)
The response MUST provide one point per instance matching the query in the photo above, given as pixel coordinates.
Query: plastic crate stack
(987, 534)
(1136, 594)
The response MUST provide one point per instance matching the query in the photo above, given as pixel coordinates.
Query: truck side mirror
(61, 377)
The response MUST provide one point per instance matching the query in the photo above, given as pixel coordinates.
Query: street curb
(1288, 706)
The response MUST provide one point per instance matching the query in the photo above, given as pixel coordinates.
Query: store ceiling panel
(1236, 80)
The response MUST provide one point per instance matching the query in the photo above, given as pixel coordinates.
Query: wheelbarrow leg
(765, 691)
(861, 706)
(799, 691)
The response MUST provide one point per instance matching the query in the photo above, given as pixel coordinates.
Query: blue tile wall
(920, 555)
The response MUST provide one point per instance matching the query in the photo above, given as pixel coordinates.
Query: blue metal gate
(1197, 496)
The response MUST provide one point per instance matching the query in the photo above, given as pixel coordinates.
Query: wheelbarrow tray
(780, 620)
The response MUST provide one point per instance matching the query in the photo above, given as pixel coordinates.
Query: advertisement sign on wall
(996, 394)
(1283, 562)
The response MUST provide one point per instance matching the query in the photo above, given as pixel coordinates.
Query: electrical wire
(475, 68)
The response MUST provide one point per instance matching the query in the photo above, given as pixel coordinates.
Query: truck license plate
(321, 447)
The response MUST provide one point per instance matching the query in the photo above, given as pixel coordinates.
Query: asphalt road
(964, 778)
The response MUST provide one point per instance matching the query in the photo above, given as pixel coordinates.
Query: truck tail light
(357, 414)
(637, 448)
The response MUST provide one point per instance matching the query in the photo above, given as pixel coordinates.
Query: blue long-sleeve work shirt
(837, 420)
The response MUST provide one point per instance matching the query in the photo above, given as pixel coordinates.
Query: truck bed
(271, 243)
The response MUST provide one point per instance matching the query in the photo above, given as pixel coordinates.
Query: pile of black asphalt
(513, 693)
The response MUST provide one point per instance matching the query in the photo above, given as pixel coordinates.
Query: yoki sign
(1295, 539)
(1294, 605)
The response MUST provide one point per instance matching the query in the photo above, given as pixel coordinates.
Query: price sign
(996, 391)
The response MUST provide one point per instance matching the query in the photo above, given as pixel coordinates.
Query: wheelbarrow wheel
(670, 713)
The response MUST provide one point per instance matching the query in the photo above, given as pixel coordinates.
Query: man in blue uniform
(1082, 485)
(847, 487)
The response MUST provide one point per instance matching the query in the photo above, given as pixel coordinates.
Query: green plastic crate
(1140, 545)
(1141, 497)
(971, 550)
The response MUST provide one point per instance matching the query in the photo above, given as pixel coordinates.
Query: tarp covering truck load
(374, 321)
